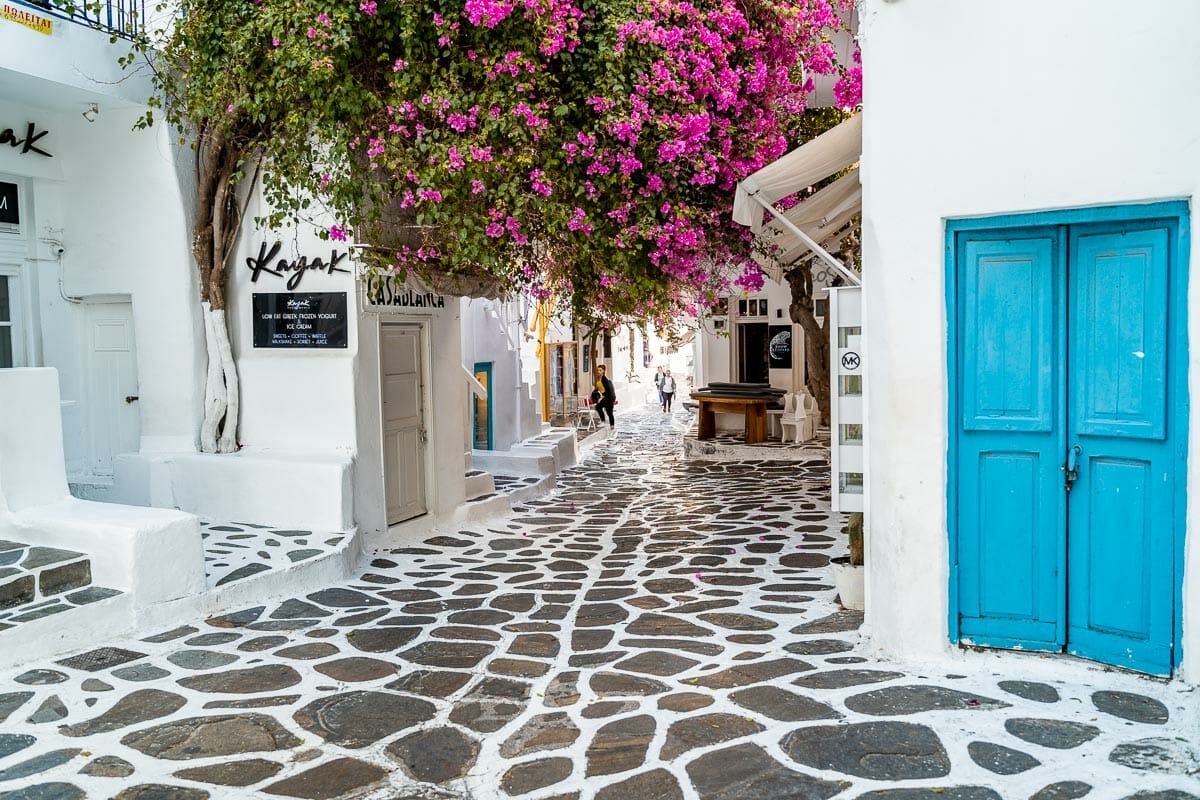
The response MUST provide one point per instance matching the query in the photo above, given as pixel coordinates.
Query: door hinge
(131, 398)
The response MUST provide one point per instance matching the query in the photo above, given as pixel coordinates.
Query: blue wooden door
(1069, 443)
(1121, 518)
(1011, 503)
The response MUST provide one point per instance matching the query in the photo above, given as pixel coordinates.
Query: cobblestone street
(652, 630)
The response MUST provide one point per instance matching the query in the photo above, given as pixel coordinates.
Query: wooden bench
(754, 410)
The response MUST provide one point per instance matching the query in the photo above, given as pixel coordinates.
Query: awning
(817, 219)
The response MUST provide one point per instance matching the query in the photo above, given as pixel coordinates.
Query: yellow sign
(27, 18)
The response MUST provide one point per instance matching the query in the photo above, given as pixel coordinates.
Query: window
(10, 331)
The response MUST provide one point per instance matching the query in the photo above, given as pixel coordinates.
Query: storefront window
(7, 353)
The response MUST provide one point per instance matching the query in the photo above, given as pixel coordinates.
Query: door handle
(423, 436)
(1071, 468)
(130, 398)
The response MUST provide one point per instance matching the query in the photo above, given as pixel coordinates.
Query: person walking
(667, 390)
(658, 381)
(605, 395)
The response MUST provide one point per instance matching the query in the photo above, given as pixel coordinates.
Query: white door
(113, 419)
(403, 422)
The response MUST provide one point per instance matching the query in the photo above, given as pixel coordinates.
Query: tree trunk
(816, 336)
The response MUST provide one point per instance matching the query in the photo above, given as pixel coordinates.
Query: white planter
(849, 582)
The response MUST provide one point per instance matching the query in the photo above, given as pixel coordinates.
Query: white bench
(156, 555)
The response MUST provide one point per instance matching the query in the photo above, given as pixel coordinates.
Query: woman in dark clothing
(608, 395)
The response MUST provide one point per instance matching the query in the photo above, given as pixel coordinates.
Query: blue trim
(1178, 214)
(485, 367)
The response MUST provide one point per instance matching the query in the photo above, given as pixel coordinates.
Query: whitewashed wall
(1048, 105)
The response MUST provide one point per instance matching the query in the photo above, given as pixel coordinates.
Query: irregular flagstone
(40, 677)
(333, 779)
(608, 708)
(818, 647)
(357, 669)
(1169, 794)
(757, 672)
(663, 625)
(837, 622)
(1133, 707)
(844, 678)
(107, 767)
(267, 678)
(705, 729)
(739, 622)
(38, 764)
(339, 597)
(881, 751)
(533, 775)
(563, 690)
(201, 659)
(600, 615)
(13, 743)
(357, 719)
(782, 705)
(745, 772)
(51, 710)
(381, 640)
(607, 684)
(56, 790)
(900, 700)
(435, 755)
(686, 645)
(1054, 733)
(543, 732)
(536, 645)
(11, 701)
(1000, 759)
(1063, 790)
(233, 773)
(620, 746)
(306, 652)
(1167, 756)
(1031, 690)
(657, 784)
(255, 702)
(453, 655)
(207, 737)
(140, 706)
(431, 683)
(491, 704)
(657, 663)
(161, 791)
(685, 701)
(939, 793)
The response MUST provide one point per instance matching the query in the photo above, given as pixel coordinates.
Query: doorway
(1069, 433)
(482, 426)
(754, 352)
(402, 384)
(114, 418)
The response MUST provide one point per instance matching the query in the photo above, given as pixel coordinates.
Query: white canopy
(819, 218)
(809, 163)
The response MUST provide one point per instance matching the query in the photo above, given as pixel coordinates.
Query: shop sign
(27, 18)
(300, 320)
(265, 262)
(779, 346)
(28, 142)
(390, 293)
(9, 212)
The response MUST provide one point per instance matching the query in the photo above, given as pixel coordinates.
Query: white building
(1029, 174)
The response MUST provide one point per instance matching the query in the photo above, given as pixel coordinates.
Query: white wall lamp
(92, 111)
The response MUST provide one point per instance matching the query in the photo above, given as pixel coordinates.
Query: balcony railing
(123, 18)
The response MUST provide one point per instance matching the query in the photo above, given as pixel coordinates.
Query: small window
(851, 434)
(849, 336)
(850, 483)
(850, 385)
(8, 326)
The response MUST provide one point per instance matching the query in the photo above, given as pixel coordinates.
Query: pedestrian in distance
(667, 390)
(605, 396)
(658, 381)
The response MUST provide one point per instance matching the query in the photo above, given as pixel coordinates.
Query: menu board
(300, 319)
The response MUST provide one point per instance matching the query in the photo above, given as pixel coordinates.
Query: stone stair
(479, 484)
(37, 582)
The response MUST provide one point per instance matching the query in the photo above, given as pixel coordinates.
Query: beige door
(403, 422)
(114, 420)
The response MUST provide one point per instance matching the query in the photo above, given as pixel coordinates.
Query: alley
(652, 630)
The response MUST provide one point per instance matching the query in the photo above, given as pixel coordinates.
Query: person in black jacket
(607, 395)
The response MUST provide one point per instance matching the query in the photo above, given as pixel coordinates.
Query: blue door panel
(1121, 514)
(1009, 334)
(1119, 336)
(1010, 518)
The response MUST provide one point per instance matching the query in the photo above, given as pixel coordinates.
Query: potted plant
(848, 570)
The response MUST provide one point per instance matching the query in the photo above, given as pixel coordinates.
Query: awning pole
(819, 251)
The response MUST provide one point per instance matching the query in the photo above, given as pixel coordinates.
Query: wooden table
(754, 409)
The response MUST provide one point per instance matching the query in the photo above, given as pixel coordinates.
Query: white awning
(809, 163)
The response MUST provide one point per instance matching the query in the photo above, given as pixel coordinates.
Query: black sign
(389, 290)
(8, 204)
(779, 346)
(304, 319)
(265, 262)
(28, 142)
(851, 361)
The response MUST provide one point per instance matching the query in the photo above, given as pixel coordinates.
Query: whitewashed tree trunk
(220, 387)
(228, 442)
